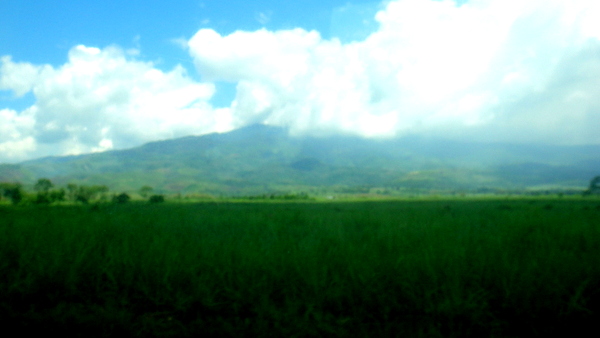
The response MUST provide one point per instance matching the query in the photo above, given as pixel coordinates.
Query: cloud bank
(522, 71)
(487, 70)
(100, 100)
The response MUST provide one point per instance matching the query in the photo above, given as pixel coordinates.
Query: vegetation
(43, 185)
(85, 194)
(12, 191)
(121, 198)
(45, 195)
(46, 192)
(594, 187)
(277, 263)
(259, 160)
(145, 191)
(157, 199)
(438, 268)
(287, 197)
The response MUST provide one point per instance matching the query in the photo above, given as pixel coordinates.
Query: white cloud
(101, 100)
(17, 77)
(15, 134)
(498, 70)
(525, 71)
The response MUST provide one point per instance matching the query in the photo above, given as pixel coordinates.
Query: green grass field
(437, 268)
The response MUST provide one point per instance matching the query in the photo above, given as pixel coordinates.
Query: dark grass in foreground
(432, 269)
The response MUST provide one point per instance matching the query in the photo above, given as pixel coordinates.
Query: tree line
(45, 192)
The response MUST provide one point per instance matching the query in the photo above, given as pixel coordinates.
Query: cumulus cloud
(17, 77)
(524, 71)
(101, 100)
(491, 70)
(15, 134)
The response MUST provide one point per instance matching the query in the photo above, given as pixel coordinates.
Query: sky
(80, 76)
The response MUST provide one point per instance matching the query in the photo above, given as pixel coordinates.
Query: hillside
(263, 159)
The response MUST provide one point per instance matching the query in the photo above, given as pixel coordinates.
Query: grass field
(437, 268)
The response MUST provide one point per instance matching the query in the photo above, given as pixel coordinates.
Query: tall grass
(434, 269)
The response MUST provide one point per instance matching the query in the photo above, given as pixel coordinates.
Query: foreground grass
(429, 268)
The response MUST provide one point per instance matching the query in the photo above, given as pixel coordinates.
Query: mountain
(264, 159)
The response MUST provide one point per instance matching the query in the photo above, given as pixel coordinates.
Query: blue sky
(43, 31)
(86, 76)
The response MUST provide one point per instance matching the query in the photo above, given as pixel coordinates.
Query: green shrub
(13, 191)
(157, 199)
(57, 195)
(47, 197)
(42, 198)
(121, 198)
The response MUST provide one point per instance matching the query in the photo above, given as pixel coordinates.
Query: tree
(43, 185)
(57, 195)
(145, 191)
(157, 199)
(72, 191)
(16, 195)
(594, 187)
(13, 191)
(84, 193)
(44, 193)
(99, 191)
(121, 198)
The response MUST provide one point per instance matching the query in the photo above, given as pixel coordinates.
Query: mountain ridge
(261, 159)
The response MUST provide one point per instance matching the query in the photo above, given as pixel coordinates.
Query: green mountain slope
(262, 159)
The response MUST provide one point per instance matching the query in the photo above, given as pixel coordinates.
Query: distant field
(414, 268)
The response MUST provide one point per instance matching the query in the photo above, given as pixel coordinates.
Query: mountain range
(261, 159)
